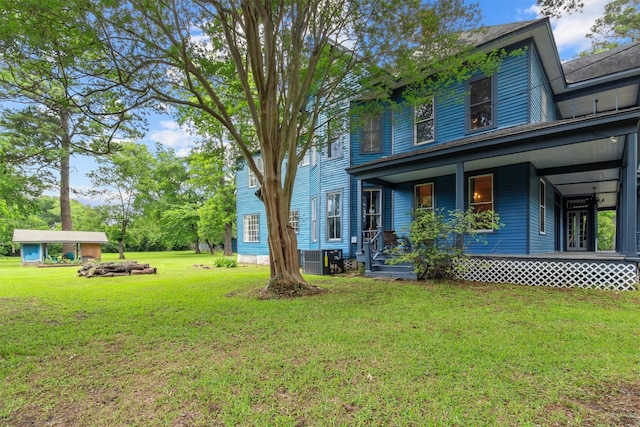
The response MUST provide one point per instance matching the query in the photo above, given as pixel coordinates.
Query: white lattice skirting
(619, 276)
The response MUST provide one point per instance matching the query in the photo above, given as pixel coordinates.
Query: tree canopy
(620, 23)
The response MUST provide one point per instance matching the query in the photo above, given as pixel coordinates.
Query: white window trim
(339, 216)
(314, 219)
(294, 220)
(433, 126)
(246, 228)
(252, 179)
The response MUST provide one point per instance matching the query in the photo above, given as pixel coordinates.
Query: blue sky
(569, 33)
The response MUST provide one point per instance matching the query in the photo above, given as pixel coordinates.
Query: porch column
(359, 214)
(629, 189)
(460, 186)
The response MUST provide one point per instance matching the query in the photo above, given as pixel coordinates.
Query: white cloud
(171, 134)
(570, 30)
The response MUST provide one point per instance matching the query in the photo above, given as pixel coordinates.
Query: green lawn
(195, 347)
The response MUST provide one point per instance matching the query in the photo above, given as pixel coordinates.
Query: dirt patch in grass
(611, 405)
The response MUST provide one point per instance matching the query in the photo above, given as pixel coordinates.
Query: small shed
(34, 249)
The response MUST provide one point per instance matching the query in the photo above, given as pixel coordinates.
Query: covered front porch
(585, 164)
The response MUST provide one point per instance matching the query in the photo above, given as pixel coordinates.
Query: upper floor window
(425, 123)
(334, 216)
(294, 220)
(334, 141)
(251, 228)
(253, 179)
(370, 142)
(424, 196)
(481, 103)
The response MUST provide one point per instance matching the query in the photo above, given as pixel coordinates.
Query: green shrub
(225, 262)
(437, 241)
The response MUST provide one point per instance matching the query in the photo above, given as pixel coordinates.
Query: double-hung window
(314, 219)
(334, 216)
(481, 104)
(251, 228)
(425, 122)
(370, 137)
(294, 220)
(334, 141)
(252, 178)
(424, 196)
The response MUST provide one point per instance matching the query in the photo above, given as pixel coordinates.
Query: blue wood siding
(403, 128)
(334, 178)
(537, 86)
(511, 202)
(541, 243)
(513, 91)
(385, 133)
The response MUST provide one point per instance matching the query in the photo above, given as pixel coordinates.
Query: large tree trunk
(286, 278)
(228, 239)
(65, 200)
(121, 248)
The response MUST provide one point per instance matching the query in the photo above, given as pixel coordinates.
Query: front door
(577, 230)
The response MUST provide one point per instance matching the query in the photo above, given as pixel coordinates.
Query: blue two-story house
(544, 144)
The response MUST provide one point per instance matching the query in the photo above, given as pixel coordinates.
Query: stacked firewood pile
(113, 269)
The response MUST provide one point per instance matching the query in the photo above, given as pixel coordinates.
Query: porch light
(613, 139)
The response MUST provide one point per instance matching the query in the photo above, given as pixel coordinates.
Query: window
(305, 159)
(543, 100)
(425, 124)
(314, 219)
(424, 196)
(334, 218)
(253, 179)
(334, 141)
(542, 196)
(251, 228)
(480, 103)
(481, 193)
(294, 220)
(372, 209)
(314, 156)
(371, 136)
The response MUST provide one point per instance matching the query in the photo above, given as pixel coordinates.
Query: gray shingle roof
(52, 236)
(612, 61)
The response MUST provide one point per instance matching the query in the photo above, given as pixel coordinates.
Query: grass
(194, 347)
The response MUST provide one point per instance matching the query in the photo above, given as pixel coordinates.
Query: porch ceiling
(576, 170)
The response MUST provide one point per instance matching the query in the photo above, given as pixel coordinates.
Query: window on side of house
(371, 139)
(251, 228)
(334, 141)
(425, 122)
(294, 220)
(314, 219)
(252, 178)
(542, 197)
(481, 194)
(480, 104)
(424, 196)
(334, 216)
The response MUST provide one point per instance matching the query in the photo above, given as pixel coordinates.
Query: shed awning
(52, 236)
